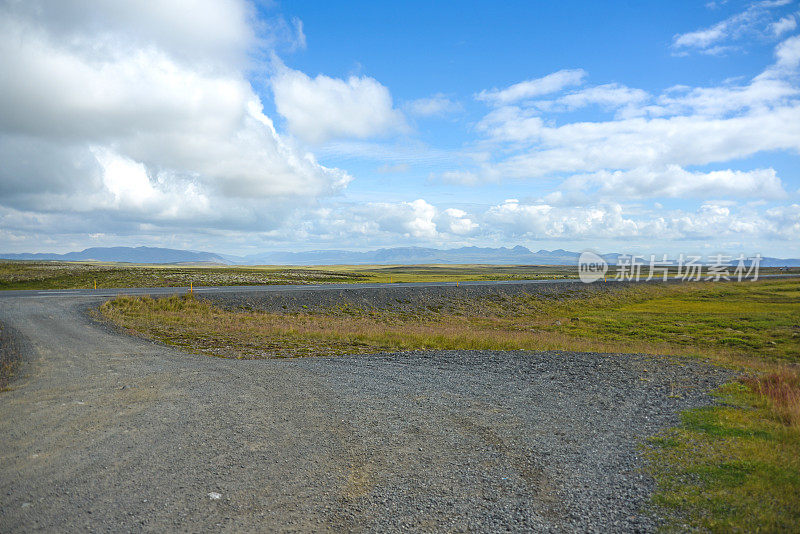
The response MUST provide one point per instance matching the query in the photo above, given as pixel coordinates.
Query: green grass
(734, 467)
(730, 468)
(757, 319)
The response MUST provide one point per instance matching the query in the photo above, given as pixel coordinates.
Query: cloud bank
(141, 115)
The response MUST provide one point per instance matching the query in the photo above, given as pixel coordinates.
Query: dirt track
(106, 432)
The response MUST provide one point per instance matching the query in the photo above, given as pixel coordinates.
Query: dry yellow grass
(781, 390)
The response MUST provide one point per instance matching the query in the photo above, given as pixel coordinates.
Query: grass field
(84, 275)
(732, 467)
(734, 322)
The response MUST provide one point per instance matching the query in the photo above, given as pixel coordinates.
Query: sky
(237, 126)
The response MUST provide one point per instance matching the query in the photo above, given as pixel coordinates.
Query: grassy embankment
(730, 467)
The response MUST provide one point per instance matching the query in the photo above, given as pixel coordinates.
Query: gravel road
(402, 297)
(104, 432)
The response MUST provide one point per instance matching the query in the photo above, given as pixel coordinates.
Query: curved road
(105, 432)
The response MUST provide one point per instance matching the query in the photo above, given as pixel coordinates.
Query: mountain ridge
(382, 256)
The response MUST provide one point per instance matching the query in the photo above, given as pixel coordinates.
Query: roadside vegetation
(732, 467)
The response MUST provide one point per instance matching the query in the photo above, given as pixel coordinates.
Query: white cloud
(433, 106)
(378, 223)
(785, 220)
(324, 108)
(788, 54)
(611, 221)
(414, 219)
(543, 221)
(702, 38)
(762, 92)
(389, 169)
(750, 21)
(457, 222)
(611, 96)
(631, 143)
(143, 108)
(786, 24)
(689, 127)
(138, 125)
(532, 88)
(618, 226)
(675, 182)
(300, 36)
(212, 33)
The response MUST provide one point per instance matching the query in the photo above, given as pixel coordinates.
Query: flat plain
(527, 406)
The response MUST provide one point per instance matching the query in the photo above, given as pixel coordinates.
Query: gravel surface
(402, 297)
(105, 432)
(12, 351)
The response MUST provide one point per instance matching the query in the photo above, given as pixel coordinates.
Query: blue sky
(227, 125)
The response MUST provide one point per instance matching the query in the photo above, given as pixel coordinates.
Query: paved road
(104, 432)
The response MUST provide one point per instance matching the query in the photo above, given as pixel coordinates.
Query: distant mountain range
(418, 255)
(126, 254)
(386, 256)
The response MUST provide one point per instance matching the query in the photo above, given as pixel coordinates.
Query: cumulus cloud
(376, 223)
(142, 110)
(138, 124)
(516, 221)
(543, 221)
(324, 108)
(675, 182)
(532, 88)
(711, 220)
(456, 221)
(655, 140)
